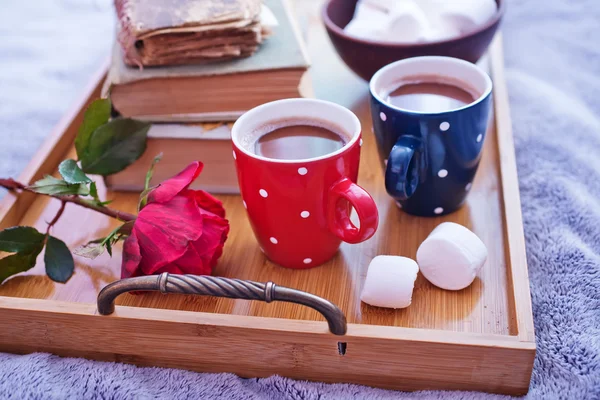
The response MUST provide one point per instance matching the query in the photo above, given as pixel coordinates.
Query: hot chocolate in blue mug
(430, 117)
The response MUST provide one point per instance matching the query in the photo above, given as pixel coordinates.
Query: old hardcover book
(171, 32)
(217, 91)
(181, 144)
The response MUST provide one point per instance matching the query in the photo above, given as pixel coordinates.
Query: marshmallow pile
(418, 21)
(449, 258)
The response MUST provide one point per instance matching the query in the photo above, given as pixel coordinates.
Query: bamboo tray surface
(494, 311)
(484, 307)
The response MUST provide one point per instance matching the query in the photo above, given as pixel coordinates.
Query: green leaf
(114, 146)
(90, 250)
(58, 259)
(20, 239)
(96, 247)
(71, 172)
(14, 264)
(108, 246)
(151, 170)
(53, 186)
(19, 262)
(119, 230)
(144, 198)
(96, 115)
(94, 192)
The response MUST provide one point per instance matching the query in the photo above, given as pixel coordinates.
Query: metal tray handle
(221, 287)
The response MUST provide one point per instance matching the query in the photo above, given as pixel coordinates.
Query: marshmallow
(459, 16)
(451, 256)
(383, 5)
(384, 20)
(407, 24)
(390, 282)
(441, 33)
(369, 22)
(411, 21)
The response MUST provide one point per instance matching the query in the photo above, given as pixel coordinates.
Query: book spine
(126, 35)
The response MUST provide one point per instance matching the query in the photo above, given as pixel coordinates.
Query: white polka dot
(302, 171)
(479, 138)
(444, 126)
(442, 173)
(245, 205)
(307, 260)
(234, 156)
(438, 210)
(468, 187)
(263, 193)
(305, 214)
(273, 240)
(398, 204)
(382, 116)
(360, 143)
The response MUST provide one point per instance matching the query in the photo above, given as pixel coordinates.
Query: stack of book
(188, 98)
(159, 32)
(181, 144)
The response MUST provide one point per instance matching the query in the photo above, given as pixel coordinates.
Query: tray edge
(58, 143)
(513, 219)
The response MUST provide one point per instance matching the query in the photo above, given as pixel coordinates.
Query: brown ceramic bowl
(365, 57)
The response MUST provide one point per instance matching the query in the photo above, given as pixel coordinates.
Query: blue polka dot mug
(430, 158)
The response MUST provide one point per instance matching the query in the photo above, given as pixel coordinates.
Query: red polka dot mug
(300, 209)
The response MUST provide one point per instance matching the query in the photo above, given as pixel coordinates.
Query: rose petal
(210, 245)
(192, 263)
(164, 231)
(180, 231)
(131, 257)
(208, 202)
(171, 187)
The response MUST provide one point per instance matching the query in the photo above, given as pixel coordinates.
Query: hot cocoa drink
(298, 141)
(430, 95)
(297, 164)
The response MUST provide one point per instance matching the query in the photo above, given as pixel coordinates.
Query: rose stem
(13, 185)
(57, 216)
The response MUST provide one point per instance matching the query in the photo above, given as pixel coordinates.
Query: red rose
(181, 231)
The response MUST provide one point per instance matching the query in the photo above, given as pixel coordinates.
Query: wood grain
(480, 338)
(394, 358)
(484, 307)
(518, 282)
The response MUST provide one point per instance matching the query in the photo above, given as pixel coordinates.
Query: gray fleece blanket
(49, 48)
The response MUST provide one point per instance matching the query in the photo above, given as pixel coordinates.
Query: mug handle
(401, 172)
(338, 212)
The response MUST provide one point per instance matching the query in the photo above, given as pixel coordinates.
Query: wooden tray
(480, 338)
